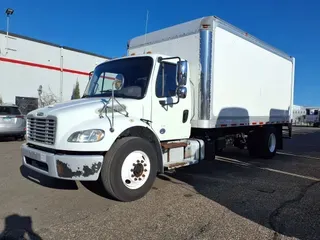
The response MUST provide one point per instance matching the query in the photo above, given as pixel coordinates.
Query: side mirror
(182, 92)
(90, 74)
(182, 73)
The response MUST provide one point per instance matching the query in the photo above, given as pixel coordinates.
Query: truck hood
(89, 108)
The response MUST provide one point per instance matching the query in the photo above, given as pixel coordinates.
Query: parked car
(12, 122)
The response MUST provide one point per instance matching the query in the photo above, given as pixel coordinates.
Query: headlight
(91, 135)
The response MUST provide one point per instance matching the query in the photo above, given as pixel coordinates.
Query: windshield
(134, 71)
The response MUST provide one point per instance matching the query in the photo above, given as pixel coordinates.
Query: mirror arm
(163, 102)
(90, 74)
(160, 59)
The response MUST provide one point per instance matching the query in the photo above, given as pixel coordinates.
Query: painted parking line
(298, 155)
(238, 162)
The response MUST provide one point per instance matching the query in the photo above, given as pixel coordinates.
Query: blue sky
(104, 27)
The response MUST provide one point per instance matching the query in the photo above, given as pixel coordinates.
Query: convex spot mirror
(118, 82)
(182, 92)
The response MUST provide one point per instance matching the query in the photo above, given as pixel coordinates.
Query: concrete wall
(27, 63)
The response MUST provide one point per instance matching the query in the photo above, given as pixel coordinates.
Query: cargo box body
(237, 79)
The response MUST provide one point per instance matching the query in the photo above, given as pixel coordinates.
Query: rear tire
(129, 169)
(268, 146)
(263, 142)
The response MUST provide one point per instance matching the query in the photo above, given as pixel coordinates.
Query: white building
(298, 114)
(27, 63)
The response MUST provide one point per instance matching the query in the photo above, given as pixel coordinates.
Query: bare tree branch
(48, 98)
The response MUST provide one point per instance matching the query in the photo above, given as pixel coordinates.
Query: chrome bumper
(69, 167)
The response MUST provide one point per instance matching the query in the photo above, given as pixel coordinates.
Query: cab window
(166, 80)
(6, 110)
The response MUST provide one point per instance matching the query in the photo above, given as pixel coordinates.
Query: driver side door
(170, 120)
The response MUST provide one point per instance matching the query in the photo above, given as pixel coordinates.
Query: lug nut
(145, 165)
(132, 175)
(138, 161)
(143, 175)
(135, 179)
(139, 179)
(134, 164)
(142, 161)
(145, 170)
(131, 170)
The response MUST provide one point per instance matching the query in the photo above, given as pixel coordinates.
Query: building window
(166, 83)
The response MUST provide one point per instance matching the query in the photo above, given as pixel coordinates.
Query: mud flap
(279, 137)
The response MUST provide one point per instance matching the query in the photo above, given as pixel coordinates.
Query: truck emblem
(40, 114)
(162, 130)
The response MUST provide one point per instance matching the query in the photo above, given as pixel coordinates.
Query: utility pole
(9, 12)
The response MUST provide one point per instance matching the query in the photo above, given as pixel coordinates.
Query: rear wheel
(268, 147)
(129, 169)
(263, 142)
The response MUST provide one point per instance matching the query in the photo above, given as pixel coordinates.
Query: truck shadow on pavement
(18, 227)
(97, 188)
(9, 139)
(47, 181)
(281, 194)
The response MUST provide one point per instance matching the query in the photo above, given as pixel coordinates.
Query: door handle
(185, 115)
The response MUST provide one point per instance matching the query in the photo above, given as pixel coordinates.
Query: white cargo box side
(250, 82)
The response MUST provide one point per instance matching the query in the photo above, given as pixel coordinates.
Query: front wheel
(129, 169)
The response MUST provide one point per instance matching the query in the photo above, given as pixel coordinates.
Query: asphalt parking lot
(234, 197)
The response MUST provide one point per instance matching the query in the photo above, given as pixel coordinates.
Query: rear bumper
(69, 167)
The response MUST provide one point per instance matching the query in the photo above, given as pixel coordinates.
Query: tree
(76, 91)
(1, 99)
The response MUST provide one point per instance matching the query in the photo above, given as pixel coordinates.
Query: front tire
(129, 169)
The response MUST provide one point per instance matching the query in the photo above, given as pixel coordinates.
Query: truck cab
(130, 105)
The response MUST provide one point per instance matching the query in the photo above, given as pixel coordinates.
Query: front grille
(42, 130)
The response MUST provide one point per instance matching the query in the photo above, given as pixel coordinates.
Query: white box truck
(180, 95)
(312, 117)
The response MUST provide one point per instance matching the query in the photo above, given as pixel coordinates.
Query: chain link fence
(27, 104)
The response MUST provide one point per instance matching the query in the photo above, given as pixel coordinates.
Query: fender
(123, 126)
